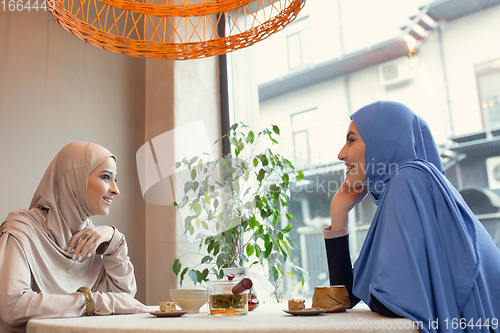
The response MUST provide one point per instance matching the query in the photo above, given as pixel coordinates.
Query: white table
(267, 318)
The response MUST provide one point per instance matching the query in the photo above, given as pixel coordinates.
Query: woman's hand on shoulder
(87, 240)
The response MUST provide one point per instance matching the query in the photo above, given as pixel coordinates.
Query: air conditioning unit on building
(493, 170)
(395, 72)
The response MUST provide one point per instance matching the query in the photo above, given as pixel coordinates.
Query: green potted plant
(235, 206)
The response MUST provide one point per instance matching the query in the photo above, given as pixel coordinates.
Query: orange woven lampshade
(160, 29)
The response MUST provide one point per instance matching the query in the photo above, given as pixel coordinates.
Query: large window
(311, 77)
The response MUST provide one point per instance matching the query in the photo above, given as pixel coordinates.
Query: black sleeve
(339, 264)
(340, 270)
(380, 308)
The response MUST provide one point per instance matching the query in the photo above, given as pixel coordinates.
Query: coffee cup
(333, 298)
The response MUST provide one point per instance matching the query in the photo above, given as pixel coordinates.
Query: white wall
(55, 89)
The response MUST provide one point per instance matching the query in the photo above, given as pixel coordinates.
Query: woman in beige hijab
(52, 250)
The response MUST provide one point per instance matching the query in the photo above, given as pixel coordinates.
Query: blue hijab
(426, 257)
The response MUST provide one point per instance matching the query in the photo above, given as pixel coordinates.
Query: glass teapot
(228, 297)
(239, 274)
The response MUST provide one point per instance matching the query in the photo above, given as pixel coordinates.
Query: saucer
(169, 314)
(306, 312)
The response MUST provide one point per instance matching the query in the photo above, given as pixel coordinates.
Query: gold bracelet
(89, 300)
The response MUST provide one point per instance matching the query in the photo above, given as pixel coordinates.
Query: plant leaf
(211, 245)
(258, 250)
(176, 266)
(229, 238)
(269, 248)
(275, 273)
(205, 274)
(193, 276)
(184, 271)
(192, 161)
(195, 186)
(287, 229)
(267, 240)
(263, 159)
(252, 223)
(234, 142)
(251, 135)
(286, 180)
(250, 249)
(276, 129)
(285, 247)
(221, 259)
(236, 187)
(261, 175)
(205, 259)
(276, 219)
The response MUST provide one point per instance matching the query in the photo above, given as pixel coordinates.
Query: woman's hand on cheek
(344, 200)
(87, 240)
(349, 196)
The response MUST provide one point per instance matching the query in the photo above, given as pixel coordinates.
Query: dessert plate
(306, 312)
(169, 314)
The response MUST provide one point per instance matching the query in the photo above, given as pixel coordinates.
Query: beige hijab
(59, 209)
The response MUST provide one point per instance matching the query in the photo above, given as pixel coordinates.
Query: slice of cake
(168, 306)
(296, 304)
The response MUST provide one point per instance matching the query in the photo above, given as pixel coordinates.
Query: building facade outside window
(299, 43)
(488, 85)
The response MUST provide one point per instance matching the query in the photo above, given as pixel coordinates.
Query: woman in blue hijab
(426, 257)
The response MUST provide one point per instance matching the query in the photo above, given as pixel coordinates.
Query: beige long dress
(38, 277)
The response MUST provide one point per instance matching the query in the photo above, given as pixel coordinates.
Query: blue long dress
(426, 256)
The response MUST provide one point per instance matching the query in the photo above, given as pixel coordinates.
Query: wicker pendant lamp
(174, 29)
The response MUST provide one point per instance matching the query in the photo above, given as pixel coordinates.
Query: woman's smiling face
(353, 156)
(102, 187)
